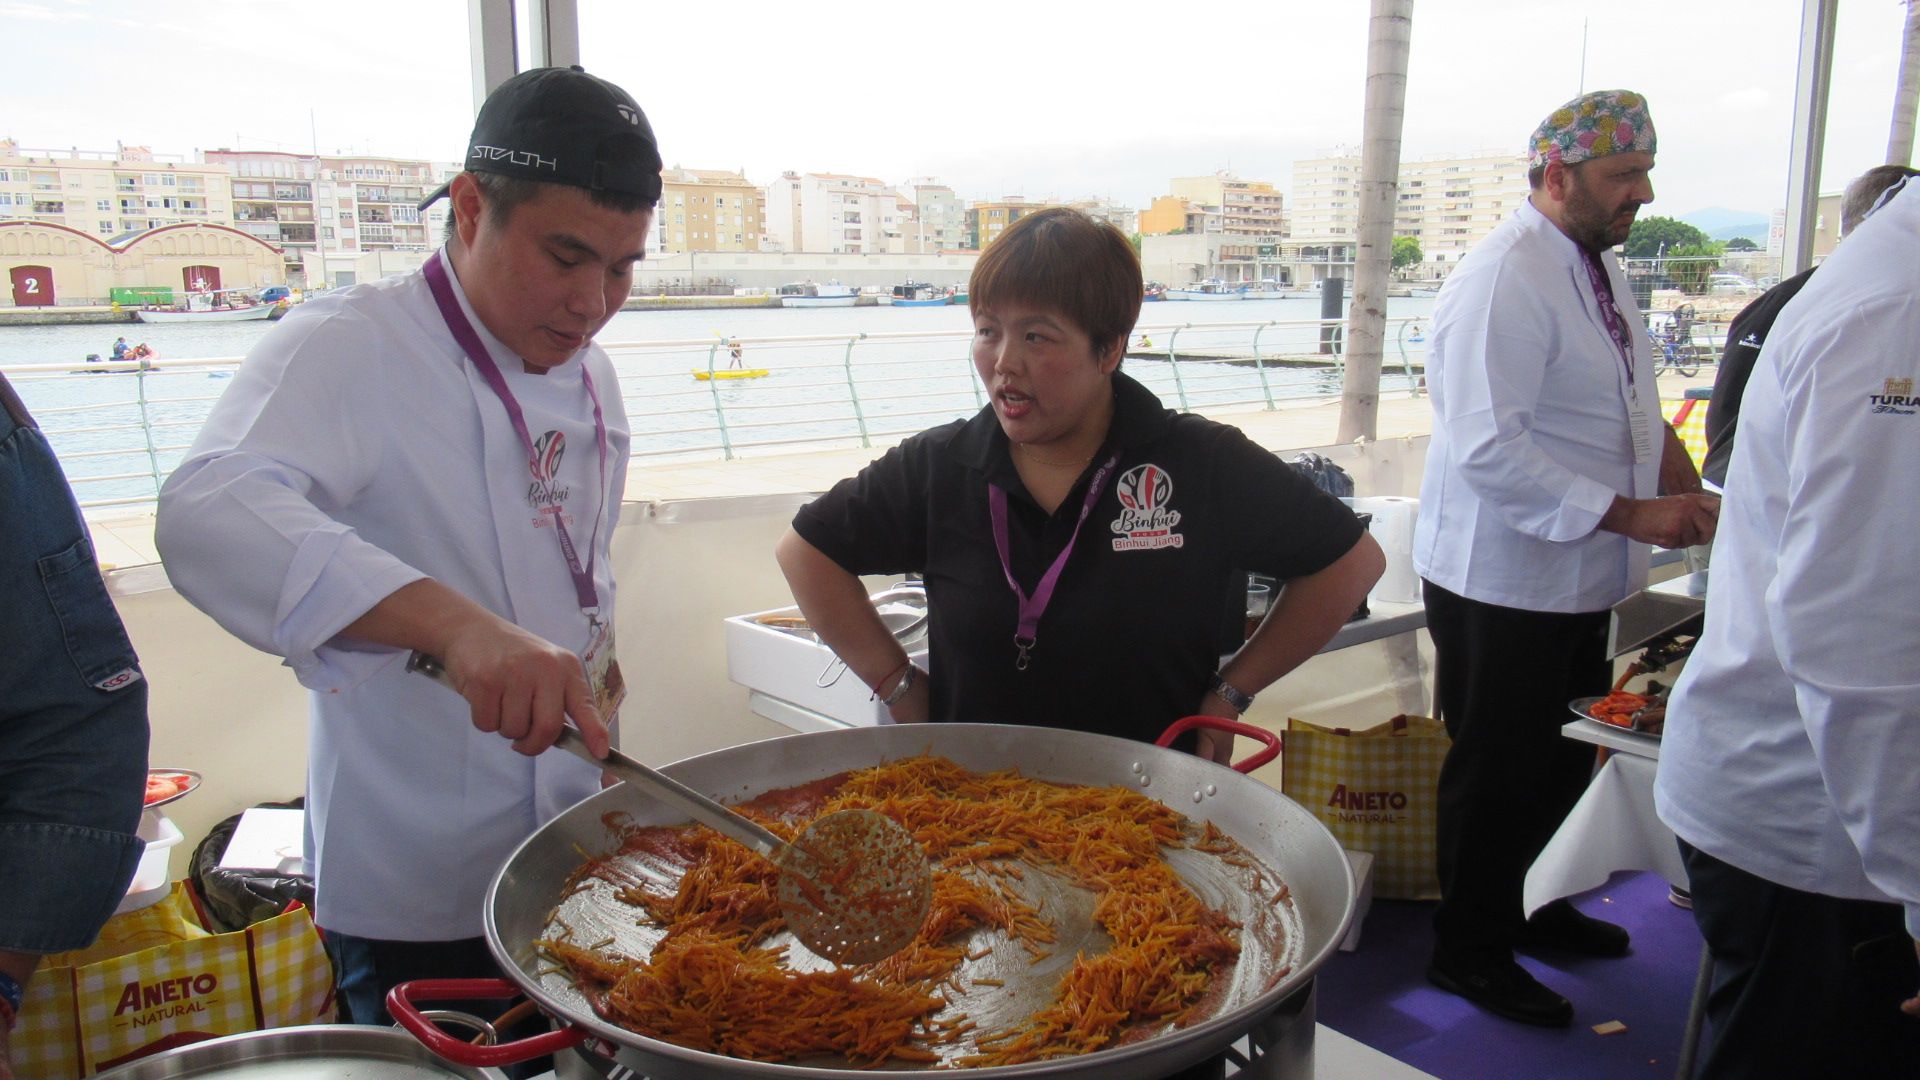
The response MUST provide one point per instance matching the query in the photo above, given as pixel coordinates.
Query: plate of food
(166, 785)
(1635, 714)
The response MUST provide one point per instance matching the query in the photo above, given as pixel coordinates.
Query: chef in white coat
(1541, 495)
(1790, 768)
(434, 463)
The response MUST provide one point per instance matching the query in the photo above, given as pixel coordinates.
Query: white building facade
(831, 213)
(1448, 202)
(111, 193)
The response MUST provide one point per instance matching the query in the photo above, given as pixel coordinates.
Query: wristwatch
(1227, 692)
(900, 688)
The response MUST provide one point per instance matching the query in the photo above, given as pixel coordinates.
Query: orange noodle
(714, 983)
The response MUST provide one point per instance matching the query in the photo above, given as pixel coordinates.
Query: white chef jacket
(1531, 435)
(1792, 746)
(357, 450)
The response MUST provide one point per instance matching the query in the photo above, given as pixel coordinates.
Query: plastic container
(152, 881)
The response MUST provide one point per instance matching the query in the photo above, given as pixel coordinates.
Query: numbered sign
(32, 286)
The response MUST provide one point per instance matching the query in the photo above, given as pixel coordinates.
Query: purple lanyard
(1032, 607)
(463, 333)
(1610, 315)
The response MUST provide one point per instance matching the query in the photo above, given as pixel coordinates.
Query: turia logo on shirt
(542, 494)
(1145, 523)
(1897, 398)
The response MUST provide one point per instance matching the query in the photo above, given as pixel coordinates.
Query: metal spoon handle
(668, 790)
(657, 784)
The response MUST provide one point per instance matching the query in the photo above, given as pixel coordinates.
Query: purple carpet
(1379, 995)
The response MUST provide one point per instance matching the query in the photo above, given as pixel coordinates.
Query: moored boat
(801, 294)
(918, 294)
(1210, 289)
(213, 305)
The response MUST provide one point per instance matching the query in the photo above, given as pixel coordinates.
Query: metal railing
(121, 427)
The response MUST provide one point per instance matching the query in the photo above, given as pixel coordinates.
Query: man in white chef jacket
(1790, 767)
(1538, 504)
(434, 463)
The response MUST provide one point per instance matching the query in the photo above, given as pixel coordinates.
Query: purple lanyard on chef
(1610, 316)
(1032, 607)
(463, 333)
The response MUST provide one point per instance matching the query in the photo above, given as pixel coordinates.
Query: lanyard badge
(603, 670)
(1616, 325)
(1032, 607)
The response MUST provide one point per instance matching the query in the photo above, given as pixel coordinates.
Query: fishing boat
(918, 294)
(732, 373)
(1210, 289)
(1154, 291)
(806, 294)
(213, 305)
(958, 296)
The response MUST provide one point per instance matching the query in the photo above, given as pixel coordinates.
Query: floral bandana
(1590, 126)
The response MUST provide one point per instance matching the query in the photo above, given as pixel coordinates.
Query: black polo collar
(1138, 418)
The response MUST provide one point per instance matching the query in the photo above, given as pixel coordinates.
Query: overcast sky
(993, 97)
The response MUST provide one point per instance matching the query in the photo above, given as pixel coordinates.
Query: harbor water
(845, 376)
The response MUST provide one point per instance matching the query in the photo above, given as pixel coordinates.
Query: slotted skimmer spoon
(854, 885)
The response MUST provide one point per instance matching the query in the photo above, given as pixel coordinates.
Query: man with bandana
(1549, 475)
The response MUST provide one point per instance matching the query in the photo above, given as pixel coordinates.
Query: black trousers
(1505, 677)
(1803, 984)
(366, 968)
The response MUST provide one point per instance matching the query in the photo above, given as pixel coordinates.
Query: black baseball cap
(564, 126)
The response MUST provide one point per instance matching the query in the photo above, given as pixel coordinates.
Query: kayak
(733, 373)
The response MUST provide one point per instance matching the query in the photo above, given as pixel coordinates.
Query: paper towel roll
(1392, 527)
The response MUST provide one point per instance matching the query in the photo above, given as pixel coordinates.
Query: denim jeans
(73, 711)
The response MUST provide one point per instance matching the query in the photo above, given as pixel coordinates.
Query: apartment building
(110, 193)
(1247, 207)
(987, 220)
(1101, 208)
(334, 205)
(831, 213)
(1171, 215)
(708, 210)
(1448, 202)
(940, 220)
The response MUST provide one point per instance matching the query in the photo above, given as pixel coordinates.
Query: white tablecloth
(1613, 827)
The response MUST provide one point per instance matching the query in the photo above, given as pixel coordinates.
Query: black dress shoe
(1503, 988)
(1564, 927)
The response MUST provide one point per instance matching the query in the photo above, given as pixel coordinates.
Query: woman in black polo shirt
(1079, 541)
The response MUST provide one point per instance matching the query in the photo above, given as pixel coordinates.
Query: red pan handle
(400, 1005)
(1220, 723)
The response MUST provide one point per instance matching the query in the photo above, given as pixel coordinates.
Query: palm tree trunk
(1906, 95)
(1390, 29)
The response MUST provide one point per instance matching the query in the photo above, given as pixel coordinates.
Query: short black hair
(1063, 261)
(502, 194)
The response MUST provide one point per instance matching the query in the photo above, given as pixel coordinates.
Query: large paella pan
(1284, 937)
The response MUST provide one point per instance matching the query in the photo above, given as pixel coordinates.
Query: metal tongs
(854, 885)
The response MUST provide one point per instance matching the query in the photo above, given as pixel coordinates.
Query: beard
(1590, 224)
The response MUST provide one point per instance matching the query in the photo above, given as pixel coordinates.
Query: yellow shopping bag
(86, 1013)
(1376, 790)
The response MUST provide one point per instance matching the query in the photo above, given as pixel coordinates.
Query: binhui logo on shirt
(543, 494)
(1145, 522)
(1897, 397)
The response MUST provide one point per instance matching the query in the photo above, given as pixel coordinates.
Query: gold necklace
(1038, 460)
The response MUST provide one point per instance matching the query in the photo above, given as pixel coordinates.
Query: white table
(1612, 828)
